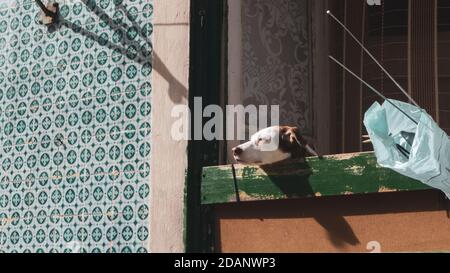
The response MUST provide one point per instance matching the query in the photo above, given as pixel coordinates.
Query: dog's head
(271, 145)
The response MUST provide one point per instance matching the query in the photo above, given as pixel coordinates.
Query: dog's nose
(237, 151)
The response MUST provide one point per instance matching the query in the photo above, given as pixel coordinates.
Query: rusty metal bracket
(50, 10)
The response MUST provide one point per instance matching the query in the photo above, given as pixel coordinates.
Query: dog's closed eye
(261, 141)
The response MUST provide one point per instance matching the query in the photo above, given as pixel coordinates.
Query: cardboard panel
(387, 222)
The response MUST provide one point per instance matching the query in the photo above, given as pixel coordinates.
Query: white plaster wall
(169, 157)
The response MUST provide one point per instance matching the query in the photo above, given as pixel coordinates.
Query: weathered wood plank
(344, 174)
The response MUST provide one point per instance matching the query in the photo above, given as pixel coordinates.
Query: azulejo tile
(75, 127)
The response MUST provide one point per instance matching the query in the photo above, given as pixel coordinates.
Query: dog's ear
(292, 135)
(290, 141)
(297, 144)
(286, 135)
(296, 137)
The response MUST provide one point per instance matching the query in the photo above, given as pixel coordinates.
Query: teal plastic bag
(420, 151)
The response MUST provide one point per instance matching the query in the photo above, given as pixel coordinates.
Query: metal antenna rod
(373, 89)
(373, 58)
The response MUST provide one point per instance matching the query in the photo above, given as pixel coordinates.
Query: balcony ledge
(335, 175)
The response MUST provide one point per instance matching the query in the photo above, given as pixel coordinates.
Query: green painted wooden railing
(344, 174)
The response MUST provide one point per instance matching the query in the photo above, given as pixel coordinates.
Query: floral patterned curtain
(277, 58)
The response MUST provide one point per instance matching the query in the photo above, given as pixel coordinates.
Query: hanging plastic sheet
(420, 151)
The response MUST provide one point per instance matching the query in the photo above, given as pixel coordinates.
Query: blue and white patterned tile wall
(75, 127)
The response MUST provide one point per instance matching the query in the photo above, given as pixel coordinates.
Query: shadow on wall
(338, 229)
(332, 213)
(140, 53)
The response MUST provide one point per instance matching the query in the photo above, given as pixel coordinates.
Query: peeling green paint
(334, 175)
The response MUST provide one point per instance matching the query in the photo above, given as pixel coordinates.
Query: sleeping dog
(272, 145)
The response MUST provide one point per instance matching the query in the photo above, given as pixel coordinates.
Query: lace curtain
(277, 58)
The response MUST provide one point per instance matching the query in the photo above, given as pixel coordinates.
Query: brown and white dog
(272, 145)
